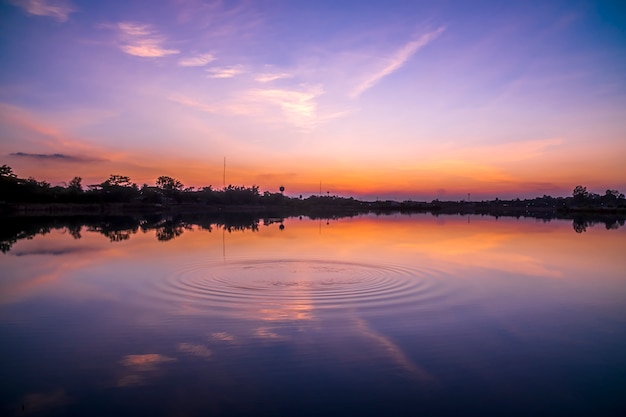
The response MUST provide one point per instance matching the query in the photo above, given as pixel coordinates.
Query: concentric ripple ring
(235, 285)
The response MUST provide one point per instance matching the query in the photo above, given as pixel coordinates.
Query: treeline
(546, 206)
(167, 191)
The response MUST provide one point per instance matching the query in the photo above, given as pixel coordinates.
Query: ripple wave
(235, 285)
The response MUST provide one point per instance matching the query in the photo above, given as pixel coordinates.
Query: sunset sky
(374, 99)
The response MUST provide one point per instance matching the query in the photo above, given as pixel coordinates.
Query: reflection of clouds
(131, 380)
(393, 350)
(267, 333)
(42, 401)
(195, 350)
(223, 336)
(288, 312)
(141, 368)
(484, 250)
(46, 276)
(54, 251)
(147, 362)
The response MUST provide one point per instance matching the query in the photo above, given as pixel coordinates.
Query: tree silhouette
(7, 172)
(171, 187)
(580, 194)
(75, 184)
(169, 184)
(117, 181)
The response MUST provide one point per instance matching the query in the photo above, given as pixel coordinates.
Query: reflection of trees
(580, 225)
(254, 226)
(5, 246)
(15, 229)
(74, 231)
(168, 227)
(615, 224)
(170, 231)
(117, 235)
(116, 229)
(121, 228)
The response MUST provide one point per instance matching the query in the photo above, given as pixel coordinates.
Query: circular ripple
(300, 284)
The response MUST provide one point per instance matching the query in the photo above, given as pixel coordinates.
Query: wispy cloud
(142, 40)
(57, 9)
(196, 61)
(510, 152)
(397, 60)
(225, 72)
(59, 157)
(188, 102)
(267, 77)
(135, 29)
(299, 106)
(38, 131)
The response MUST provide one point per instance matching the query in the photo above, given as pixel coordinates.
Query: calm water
(398, 315)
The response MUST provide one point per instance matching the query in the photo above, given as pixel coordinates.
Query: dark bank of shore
(119, 221)
(119, 196)
(325, 207)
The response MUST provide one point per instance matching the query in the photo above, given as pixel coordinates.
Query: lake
(368, 315)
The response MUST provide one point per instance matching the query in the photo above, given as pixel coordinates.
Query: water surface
(366, 316)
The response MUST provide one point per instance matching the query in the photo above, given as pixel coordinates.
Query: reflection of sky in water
(379, 315)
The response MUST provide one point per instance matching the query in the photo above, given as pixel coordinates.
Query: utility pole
(224, 174)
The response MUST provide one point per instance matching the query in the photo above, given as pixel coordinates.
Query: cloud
(188, 102)
(57, 9)
(147, 49)
(507, 153)
(300, 107)
(196, 61)
(297, 107)
(225, 72)
(59, 157)
(142, 40)
(134, 29)
(397, 60)
(267, 77)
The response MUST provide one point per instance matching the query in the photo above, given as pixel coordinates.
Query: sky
(372, 99)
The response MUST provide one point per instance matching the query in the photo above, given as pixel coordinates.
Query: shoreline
(322, 210)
